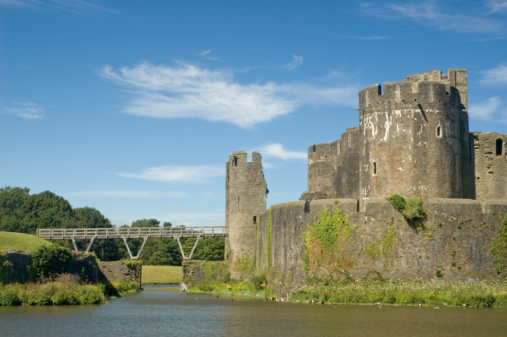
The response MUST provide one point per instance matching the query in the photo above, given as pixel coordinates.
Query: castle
(413, 139)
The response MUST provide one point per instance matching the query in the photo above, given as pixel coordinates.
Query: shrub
(49, 261)
(398, 202)
(411, 209)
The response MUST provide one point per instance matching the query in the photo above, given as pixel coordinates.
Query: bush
(398, 202)
(411, 209)
(49, 261)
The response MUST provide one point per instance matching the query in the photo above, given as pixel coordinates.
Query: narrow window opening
(374, 168)
(439, 131)
(235, 161)
(255, 219)
(314, 148)
(499, 146)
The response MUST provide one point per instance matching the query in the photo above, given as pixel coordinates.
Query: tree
(12, 200)
(146, 223)
(46, 210)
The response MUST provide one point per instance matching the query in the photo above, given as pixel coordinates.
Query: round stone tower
(245, 201)
(411, 137)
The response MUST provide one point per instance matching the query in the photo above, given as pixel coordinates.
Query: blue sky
(133, 107)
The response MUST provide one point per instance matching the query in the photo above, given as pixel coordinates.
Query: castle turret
(245, 201)
(412, 136)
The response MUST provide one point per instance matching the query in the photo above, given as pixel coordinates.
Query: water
(163, 311)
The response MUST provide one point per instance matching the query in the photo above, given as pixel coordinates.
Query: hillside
(20, 241)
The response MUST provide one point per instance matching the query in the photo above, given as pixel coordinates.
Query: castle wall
(322, 167)
(490, 165)
(410, 140)
(333, 168)
(346, 178)
(455, 242)
(245, 194)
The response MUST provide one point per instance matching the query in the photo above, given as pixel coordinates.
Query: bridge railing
(130, 232)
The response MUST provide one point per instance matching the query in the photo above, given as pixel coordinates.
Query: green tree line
(23, 212)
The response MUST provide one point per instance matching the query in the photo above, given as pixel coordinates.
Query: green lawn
(20, 241)
(161, 274)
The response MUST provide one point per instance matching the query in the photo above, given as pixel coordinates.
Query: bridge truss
(125, 233)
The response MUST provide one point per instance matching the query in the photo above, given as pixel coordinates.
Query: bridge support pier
(193, 249)
(87, 248)
(140, 249)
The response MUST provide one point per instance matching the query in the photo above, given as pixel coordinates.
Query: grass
(20, 241)
(490, 293)
(161, 274)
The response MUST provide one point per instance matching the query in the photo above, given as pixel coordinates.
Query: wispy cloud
(26, 110)
(188, 174)
(206, 52)
(429, 14)
(497, 5)
(129, 194)
(496, 75)
(75, 6)
(187, 91)
(277, 150)
(296, 62)
(485, 110)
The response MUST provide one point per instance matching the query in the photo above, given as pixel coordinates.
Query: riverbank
(64, 290)
(436, 293)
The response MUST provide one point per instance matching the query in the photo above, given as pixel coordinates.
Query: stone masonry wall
(490, 165)
(117, 270)
(454, 245)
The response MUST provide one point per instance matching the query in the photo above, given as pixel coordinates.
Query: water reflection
(163, 311)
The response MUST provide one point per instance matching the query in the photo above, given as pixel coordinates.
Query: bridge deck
(130, 232)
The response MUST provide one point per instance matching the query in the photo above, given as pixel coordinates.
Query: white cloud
(484, 110)
(187, 91)
(496, 75)
(497, 5)
(296, 62)
(427, 13)
(129, 194)
(276, 150)
(26, 110)
(189, 174)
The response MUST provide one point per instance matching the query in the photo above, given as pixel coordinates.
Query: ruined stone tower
(245, 201)
(414, 137)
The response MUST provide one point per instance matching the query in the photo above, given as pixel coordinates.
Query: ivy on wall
(498, 246)
(326, 243)
(269, 240)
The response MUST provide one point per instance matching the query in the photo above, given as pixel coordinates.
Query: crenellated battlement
(426, 88)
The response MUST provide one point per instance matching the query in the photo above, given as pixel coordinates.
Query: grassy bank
(491, 293)
(20, 241)
(65, 290)
(161, 274)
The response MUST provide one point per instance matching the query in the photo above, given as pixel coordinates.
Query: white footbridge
(125, 233)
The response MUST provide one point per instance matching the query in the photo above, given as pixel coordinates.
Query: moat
(163, 311)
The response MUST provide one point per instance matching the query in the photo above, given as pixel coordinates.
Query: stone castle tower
(245, 201)
(413, 140)
(414, 137)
